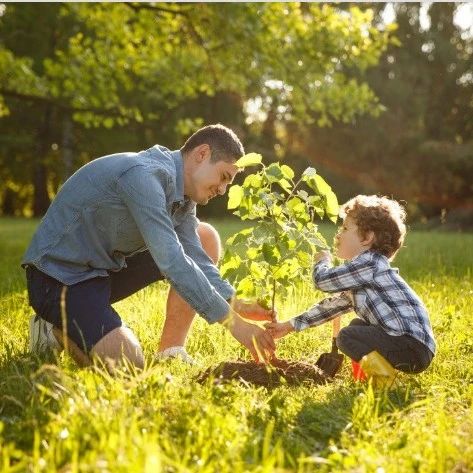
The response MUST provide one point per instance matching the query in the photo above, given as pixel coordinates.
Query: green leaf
(273, 173)
(308, 173)
(250, 159)
(321, 185)
(263, 232)
(239, 237)
(285, 185)
(305, 259)
(303, 194)
(231, 262)
(232, 266)
(296, 205)
(235, 195)
(252, 253)
(332, 208)
(320, 212)
(246, 287)
(318, 240)
(257, 271)
(271, 254)
(287, 172)
(253, 181)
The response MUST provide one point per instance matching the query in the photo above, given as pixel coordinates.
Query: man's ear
(202, 152)
(368, 239)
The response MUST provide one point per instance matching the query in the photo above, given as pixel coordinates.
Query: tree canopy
(302, 82)
(139, 66)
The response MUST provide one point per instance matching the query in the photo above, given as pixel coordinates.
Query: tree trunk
(41, 198)
(8, 202)
(67, 146)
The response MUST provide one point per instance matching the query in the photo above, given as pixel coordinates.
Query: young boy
(392, 328)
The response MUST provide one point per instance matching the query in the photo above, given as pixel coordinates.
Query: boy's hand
(279, 329)
(252, 310)
(323, 254)
(259, 342)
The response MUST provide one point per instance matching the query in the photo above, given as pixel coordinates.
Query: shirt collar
(379, 258)
(179, 164)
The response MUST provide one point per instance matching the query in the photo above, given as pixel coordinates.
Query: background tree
(144, 70)
(302, 83)
(420, 149)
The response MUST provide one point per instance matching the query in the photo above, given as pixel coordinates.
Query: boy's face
(348, 241)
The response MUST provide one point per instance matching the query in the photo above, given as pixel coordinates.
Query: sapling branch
(278, 250)
(293, 190)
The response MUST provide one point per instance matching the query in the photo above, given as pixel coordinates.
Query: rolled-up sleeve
(144, 194)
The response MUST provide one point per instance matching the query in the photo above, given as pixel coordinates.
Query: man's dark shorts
(87, 305)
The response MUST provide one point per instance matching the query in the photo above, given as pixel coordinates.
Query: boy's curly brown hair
(383, 216)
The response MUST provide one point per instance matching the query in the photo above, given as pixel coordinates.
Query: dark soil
(278, 373)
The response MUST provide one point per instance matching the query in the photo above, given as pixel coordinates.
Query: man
(122, 222)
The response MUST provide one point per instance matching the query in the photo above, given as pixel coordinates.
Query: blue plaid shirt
(375, 291)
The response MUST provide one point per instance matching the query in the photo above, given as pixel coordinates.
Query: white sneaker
(175, 352)
(41, 336)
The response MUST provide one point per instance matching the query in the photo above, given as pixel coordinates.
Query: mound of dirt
(279, 372)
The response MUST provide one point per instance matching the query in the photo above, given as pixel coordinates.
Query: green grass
(56, 417)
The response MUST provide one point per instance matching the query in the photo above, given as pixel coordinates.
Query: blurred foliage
(303, 83)
(421, 149)
(137, 73)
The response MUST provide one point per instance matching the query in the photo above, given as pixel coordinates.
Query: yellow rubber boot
(378, 369)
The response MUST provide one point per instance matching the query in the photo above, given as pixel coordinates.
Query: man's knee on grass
(118, 345)
(210, 240)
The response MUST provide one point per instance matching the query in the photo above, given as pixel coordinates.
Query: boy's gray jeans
(404, 352)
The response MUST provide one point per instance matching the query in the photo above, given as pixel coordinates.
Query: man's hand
(252, 310)
(259, 342)
(279, 329)
(323, 254)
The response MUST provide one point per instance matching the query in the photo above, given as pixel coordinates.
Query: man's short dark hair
(224, 143)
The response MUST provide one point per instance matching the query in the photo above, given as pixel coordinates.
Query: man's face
(206, 179)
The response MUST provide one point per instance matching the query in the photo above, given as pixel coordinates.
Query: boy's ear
(368, 238)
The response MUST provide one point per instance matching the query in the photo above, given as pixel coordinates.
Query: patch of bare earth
(277, 373)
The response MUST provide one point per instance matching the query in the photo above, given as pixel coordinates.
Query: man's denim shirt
(122, 204)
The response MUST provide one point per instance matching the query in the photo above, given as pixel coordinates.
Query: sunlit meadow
(56, 417)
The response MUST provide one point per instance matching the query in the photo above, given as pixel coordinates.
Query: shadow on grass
(352, 408)
(29, 391)
(297, 434)
(319, 422)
